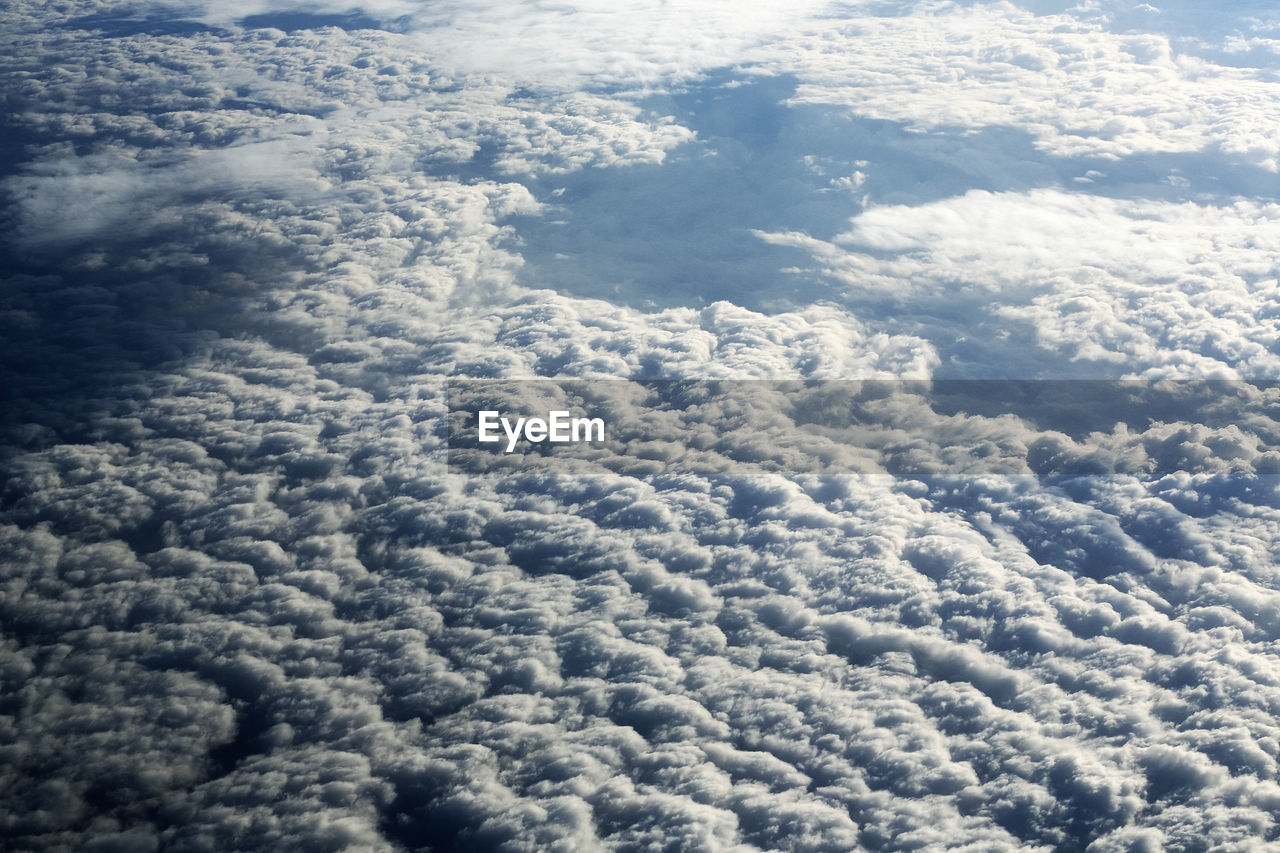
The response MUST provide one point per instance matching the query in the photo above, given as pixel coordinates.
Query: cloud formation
(246, 605)
(1076, 87)
(1142, 288)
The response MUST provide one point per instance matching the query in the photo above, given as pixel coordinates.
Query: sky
(942, 509)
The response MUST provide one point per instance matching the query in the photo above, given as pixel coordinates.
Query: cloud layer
(247, 606)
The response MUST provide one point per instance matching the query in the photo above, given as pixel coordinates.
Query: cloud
(247, 605)
(1078, 89)
(1149, 288)
(729, 656)
(559, 47)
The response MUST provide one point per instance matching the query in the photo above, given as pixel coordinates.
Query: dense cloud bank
(254, 600)
(246, 605)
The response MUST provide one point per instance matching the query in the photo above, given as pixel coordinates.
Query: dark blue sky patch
(296, 21)
(117, 25)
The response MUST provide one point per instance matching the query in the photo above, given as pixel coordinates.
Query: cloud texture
(247, 606)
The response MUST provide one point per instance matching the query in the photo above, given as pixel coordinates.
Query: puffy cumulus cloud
(549, 335)
(719, 653)
(562, 47)
(640, 42)
(291, 154)
(293, 121)
(245, 604)
(1145, 288)
(1234, 41)
(1076, 88)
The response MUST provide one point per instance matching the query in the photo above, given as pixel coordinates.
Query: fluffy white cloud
(1075, 87)
(246, 605)
(1136, 287)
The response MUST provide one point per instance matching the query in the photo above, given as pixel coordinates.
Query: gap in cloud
(118, 24)
(124, 24)
(295, 21)
(681, 232)
(15, 140)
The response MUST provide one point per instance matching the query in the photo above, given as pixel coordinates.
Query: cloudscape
(681, 425)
